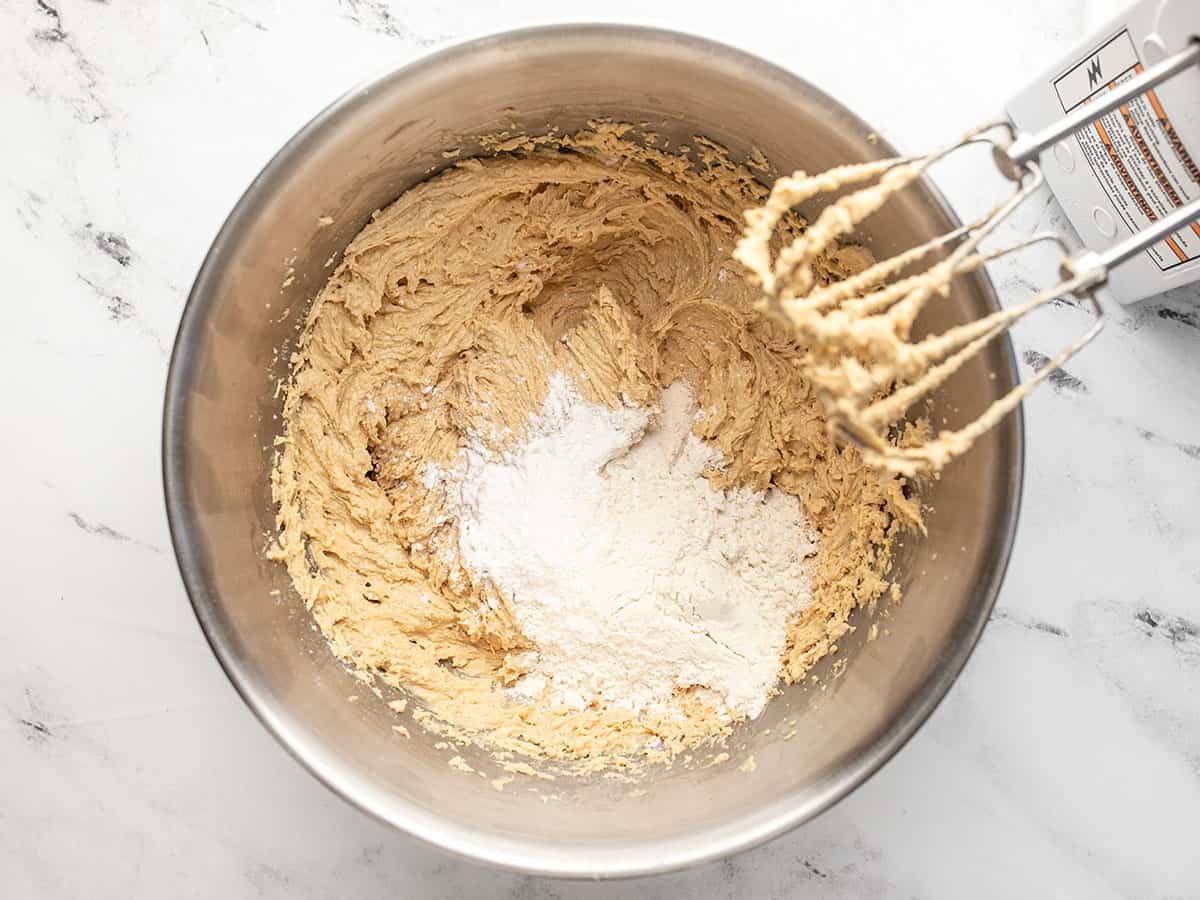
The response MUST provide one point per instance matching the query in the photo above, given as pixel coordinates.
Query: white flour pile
(632, 576)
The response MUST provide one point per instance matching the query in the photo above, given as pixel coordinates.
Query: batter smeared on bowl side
(580, 276)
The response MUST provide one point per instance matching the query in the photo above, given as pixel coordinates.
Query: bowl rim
(526, 856)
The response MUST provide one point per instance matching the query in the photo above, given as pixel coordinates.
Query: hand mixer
(1122, 170)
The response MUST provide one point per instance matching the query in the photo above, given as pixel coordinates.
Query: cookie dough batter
(589, 255)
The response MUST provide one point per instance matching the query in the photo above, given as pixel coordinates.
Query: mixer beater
(863, 361)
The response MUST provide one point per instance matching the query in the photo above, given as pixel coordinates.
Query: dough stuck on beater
(862, 359)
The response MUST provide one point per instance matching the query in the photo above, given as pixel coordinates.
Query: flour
(631, 575)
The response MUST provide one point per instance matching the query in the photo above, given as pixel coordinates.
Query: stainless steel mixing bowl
(222, 409)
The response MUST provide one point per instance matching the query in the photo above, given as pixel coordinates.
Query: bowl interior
(814, 743)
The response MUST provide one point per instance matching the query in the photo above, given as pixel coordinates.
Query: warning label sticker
(1134, 151)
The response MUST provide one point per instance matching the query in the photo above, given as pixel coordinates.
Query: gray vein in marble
(1001, 615)
(1183, 317)
(119, 309)
(374, 15)
(38, 732)
(1183, 634)
(29, 212)
(111, 245)
(1067, 300)
(1177, 307)
(239, 15)
(92, 109)
(1060, 379)
(55, 32)
(33, 723)
(813, 870)
(1190, 450)
(1017, 280)
(99, 529)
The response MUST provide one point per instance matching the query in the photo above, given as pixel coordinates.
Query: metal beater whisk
(862, 361)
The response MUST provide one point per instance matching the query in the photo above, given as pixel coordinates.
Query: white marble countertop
(1066, 760)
